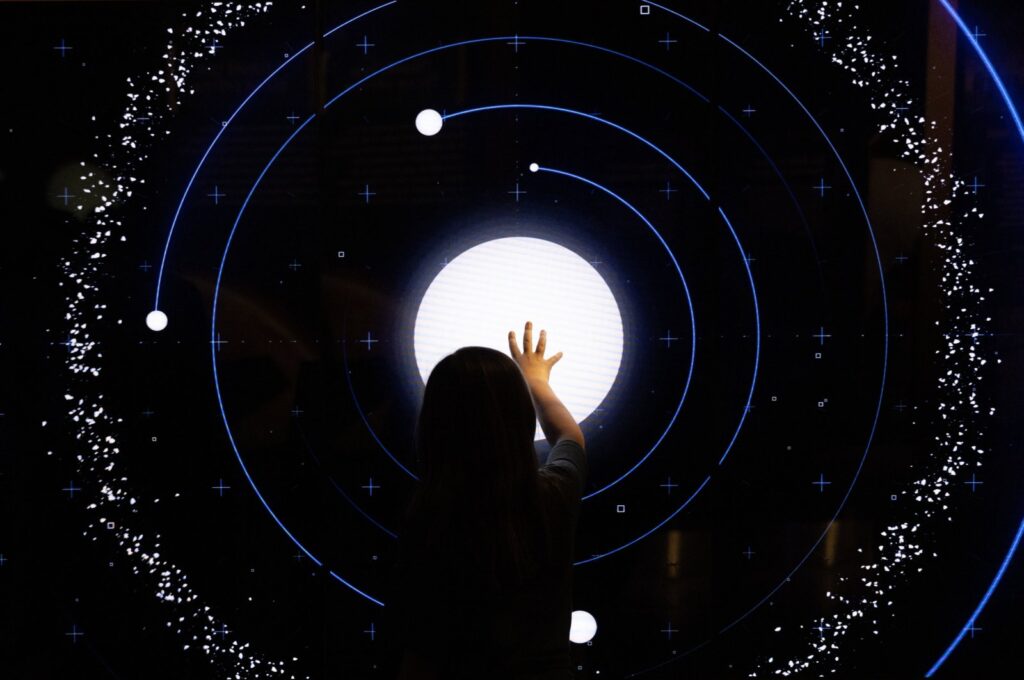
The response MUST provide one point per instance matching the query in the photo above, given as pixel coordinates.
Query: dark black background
(53, 578)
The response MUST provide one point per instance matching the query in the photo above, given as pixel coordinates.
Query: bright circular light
(534, 167)
(429, 122)
(582, 627)
(499, 285)
(156, 320)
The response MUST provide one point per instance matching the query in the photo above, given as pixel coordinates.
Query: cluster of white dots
(112, 507)
(960, 362)
(946, 217)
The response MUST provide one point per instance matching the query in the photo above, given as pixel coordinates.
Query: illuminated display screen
(777, 244)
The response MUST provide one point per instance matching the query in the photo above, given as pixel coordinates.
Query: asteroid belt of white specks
(905, 546)
(113, 509)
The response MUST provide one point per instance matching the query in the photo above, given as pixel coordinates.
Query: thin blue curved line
(885, 313)
(671, 160)
(856, 192)
(351, 501)
(213, 346)
(355, 18)
(685, 173)
(216, 138)
(693, 345)
(216, 376)
(538, 38)
(750, 275)
(981, 605)
(757, 350)
(652, 530)
(476, 41)
(368, 597)
(885, 358)
(789, 190)
(1020, 129)
(543, 107)
(689, 300)
(591, 117)
(365, 514)
(689, 304)
(366, 422)
(558, 109)
(681, 16)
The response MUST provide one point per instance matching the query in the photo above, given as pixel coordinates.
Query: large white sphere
(496, 286)
(582, 627)
(429, 122)
(156, 320)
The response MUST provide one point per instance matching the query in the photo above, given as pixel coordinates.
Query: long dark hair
(476, 501)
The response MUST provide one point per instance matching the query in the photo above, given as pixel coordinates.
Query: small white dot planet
(429, 122)
(582, 627)
(156, 320)
(534, 167)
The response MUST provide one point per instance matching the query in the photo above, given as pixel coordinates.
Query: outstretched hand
(532, 362)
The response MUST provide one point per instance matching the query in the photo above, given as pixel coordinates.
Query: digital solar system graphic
(779, 243)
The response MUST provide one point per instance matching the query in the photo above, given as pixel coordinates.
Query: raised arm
(554, 417)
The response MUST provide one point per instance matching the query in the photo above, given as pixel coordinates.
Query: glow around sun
(496, 286)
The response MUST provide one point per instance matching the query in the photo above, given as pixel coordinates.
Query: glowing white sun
(496, 286)
(582, 627)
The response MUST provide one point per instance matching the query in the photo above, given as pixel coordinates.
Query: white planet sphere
(497, 286)
(156, 320)
(429, 122)
(582, 627)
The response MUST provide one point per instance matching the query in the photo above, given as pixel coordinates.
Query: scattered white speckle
(946, 212)
(112, 509)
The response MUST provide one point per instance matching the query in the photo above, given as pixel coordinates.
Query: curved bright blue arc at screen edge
(981, 605)
(1004, 93)
(952, 12)
(216, 138)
